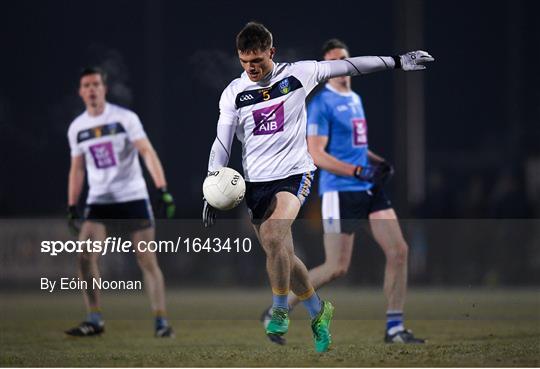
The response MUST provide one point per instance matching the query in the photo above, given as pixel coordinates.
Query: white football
(224, 189)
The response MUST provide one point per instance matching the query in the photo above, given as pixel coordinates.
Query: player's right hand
(365, 172)
(415, 60)
(74, 220)
(208, 214)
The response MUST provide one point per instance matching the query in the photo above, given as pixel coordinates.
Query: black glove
(208, 214)
(384, 172)
(378, 174)
(165, 206)
(73, 218)
(364, 172)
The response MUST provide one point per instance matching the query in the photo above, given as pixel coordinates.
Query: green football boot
(279, 323)
(320, 325)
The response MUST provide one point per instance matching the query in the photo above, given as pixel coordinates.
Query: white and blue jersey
(112, 161)
(340, 117)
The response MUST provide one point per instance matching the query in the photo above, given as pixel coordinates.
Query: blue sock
(394, 321)
(161, 322)
(313, 305)
(94, 317)
(280, 301)
(289, 307)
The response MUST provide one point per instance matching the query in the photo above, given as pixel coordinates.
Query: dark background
(170, 60)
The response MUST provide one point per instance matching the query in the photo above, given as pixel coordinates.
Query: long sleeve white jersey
(269, 116)
(270, 120)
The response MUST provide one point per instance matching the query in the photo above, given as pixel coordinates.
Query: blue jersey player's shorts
(341, 210)
(129, 216)
(259, 195)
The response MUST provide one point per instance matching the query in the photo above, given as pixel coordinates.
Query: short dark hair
(333, 43)
(254, 36)
(86, 71)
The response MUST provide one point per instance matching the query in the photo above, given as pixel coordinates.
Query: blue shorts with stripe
(259, 195)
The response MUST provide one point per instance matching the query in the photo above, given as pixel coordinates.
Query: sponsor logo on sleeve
(284, 86)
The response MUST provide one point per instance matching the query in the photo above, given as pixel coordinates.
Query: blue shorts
(259, 195)
(129, 216)
(342, 210)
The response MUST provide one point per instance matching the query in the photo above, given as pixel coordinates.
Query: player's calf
(337, 271)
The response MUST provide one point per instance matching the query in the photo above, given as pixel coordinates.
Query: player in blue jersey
(351, 181)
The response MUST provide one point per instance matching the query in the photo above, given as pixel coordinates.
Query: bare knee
(87, 260)
(273, 244)
(148, 262)
(398, 254)
(336, 270)
(339, 271)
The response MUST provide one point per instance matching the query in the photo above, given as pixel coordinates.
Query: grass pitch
(220, 328)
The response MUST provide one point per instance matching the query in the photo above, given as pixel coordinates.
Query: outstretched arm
(360, 65)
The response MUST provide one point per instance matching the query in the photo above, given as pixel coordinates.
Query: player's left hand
(415, 60)
(166, 206)
(383, 172)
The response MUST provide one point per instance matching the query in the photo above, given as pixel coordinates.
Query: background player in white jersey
(106, 140)
(266, 109)
(351, 182)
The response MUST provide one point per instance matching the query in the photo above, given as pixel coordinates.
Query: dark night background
(170, 60)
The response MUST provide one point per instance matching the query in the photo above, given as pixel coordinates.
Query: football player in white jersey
(265, 107)
(106, 141)
(351, 184)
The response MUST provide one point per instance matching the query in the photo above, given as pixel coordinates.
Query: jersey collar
(346, 94)
(266, 79)
(105, 112)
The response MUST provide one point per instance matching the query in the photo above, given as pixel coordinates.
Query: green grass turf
(220, 328)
